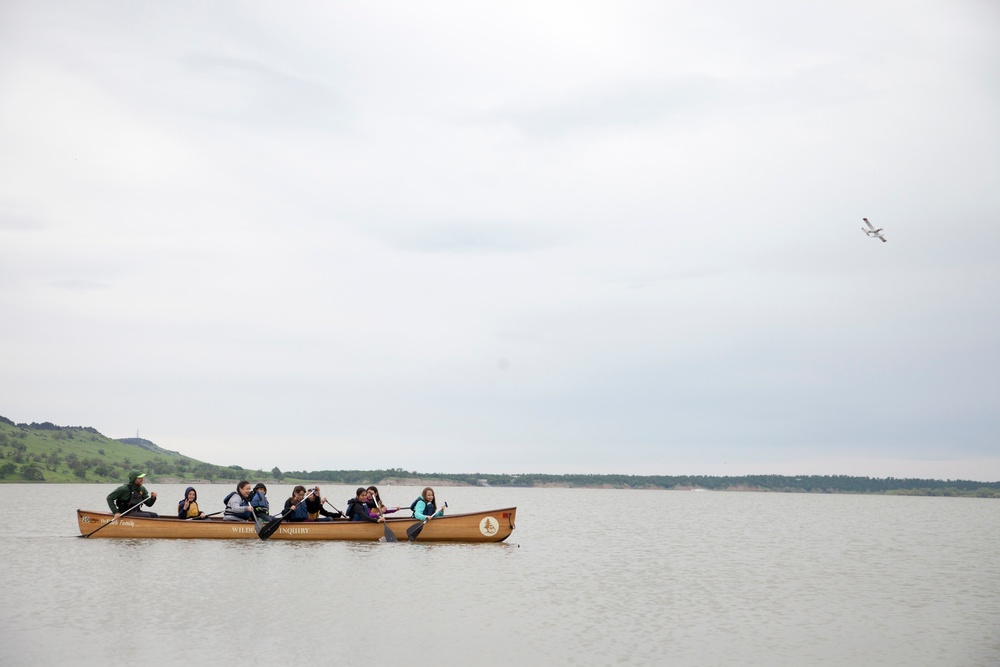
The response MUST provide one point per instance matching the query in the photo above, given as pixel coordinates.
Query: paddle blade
(269, 529)
(389, 536)
(414, 530)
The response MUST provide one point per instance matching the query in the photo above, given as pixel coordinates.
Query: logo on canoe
(489, 526)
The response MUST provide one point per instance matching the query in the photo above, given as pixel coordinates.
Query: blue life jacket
(259, 503)
(429, 510)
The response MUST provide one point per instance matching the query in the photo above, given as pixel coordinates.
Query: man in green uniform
(130, 495)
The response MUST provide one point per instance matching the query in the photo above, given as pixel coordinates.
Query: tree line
(773, 483)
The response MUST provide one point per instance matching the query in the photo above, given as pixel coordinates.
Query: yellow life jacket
(193, 510)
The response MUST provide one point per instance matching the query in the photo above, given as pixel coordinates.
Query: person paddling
(131, 494)
(295, 509)
(238, 504)
(375, 506)
(314, 505)
(357, 507)
(259, 502)
(424, 507)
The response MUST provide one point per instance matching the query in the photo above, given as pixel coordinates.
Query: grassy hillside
(49, 453)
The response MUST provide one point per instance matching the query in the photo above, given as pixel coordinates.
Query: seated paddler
(259, 503)
(314, 505)
(238, 504)
(357, 507)
(295, 509)
(130, 495)
(424, 507)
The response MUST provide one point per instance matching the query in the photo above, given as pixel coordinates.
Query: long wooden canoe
(489, 526)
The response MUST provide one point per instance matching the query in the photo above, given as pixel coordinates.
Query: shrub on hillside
(32, 473)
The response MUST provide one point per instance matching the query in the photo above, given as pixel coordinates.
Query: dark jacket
(358, 511)
(181, 512)
(300, 513)
(128, 495)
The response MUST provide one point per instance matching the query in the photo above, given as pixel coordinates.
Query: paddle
(112, 521)
(333, 507)
(415, 529)
(272, 525)
(389, 536)
(195, 518)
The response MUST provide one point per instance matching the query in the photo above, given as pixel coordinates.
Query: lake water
(589, 577)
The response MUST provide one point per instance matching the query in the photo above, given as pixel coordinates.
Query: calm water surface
(589, 577)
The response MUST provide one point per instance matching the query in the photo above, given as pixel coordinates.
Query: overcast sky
(510, 237)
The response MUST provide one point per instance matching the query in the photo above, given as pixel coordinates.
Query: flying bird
(871, 231)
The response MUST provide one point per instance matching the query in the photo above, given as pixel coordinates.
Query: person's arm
(239, 508)
(112, 497)
(418, 511)
(151, 499)
(182, 508)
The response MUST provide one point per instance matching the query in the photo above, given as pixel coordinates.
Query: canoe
(489, 526)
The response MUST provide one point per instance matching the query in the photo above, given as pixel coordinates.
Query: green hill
(49, 453)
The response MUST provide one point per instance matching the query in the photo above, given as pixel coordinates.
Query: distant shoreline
(986, 490)
(44, 453)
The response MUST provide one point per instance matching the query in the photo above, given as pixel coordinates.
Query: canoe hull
(488, 526)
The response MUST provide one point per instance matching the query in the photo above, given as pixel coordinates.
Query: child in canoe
(188, 508)
(375, 506)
